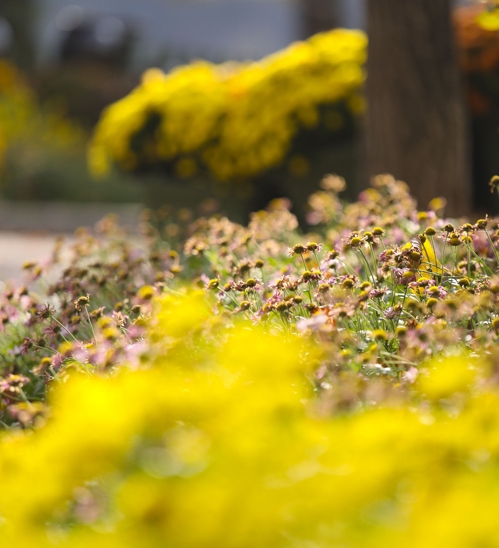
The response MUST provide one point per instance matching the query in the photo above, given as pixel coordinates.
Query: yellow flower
(234, 119)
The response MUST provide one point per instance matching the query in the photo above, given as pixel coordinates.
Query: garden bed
(214, 384)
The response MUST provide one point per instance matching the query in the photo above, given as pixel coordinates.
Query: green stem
(444, 249)
(317, 260)
(480, 260)
(64, 327)
(454, 266)
(469, 259)
(493, 247)
(374, 260)
(91, 326)
(304, 262)
(368, 268)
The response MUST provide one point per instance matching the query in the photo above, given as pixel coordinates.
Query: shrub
(233, 120)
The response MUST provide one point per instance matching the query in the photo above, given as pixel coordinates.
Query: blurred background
(63, 62)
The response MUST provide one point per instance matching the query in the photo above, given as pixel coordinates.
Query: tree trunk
(416, 126)
(318, 16)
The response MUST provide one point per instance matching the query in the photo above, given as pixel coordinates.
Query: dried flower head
(81, 302)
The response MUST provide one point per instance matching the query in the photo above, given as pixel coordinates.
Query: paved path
(28, 230)
(18, 248)
(61, 216)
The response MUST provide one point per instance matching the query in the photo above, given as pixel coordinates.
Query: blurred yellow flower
(21, 117)
(216, 442)
(237, 119)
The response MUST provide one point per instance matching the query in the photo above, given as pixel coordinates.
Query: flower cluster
(332, 388)
(222, 428)
(233, 120)
(382, 286)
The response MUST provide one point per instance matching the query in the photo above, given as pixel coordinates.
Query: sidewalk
(61, 217)
(28, 230)
(18, 248)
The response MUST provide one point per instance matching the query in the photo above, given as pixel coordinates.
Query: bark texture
(318, 16)
(416, 126)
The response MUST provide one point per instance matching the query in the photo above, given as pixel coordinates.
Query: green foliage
(42, 152)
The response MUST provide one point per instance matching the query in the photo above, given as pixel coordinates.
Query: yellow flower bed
(23, 121)
(217, 442)
(235, 119)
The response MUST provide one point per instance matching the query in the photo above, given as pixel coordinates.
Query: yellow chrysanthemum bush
(24, 124)
(218, 438)
(233, 120)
